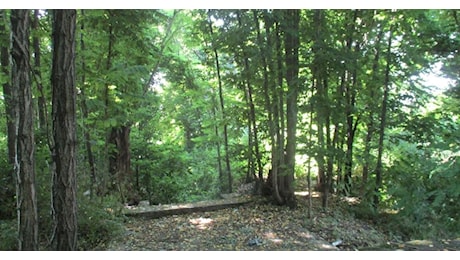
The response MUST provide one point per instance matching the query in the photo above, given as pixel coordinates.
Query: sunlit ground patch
(202, 223)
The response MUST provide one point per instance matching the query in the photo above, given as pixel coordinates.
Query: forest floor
(258, 225)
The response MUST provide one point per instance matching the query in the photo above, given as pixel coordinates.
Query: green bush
(8, 235)
(98, 223)
(424, 190)
(7, 192)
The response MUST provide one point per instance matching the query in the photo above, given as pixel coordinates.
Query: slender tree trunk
(310, 144)
(370, 123)
(219, 156)
(10, 111)
(108, 180)
(266, 54)
(271, 106)
(383, 115)
(5, 60)
(252, 110)
(64, 192)
(37, 63)
(329, 153)
(84, 108)
(278, 160)
(222, 108)
(350, 97)
(24, 161)
(318, 71)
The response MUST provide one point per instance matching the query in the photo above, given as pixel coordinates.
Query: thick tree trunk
(64, 192)
(120, 161)
(26, 195)
(291, 43)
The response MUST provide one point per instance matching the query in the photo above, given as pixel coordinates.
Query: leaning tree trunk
(24, 161)
(64, 190)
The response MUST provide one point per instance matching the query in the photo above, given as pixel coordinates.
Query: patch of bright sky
(435, 81)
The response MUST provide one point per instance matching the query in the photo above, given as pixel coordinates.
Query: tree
(228, 175)
(64, 189)
(24, 161)
(290, 23)
(5, 80)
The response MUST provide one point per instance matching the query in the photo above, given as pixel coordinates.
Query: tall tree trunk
(383, 115)
(370, 121)
(222, 108)
(26, 193)
(318, 71)
(250, 101)
(350, 97)
(37, 63)
(5, 61)
(291, 43)
(64, 190)
(218, 146)
(108, 180)
(278, 158)
(265, 54)
(85, 112)
(271, 105)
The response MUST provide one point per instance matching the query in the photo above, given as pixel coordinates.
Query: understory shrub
(98, 223)
(8, 235)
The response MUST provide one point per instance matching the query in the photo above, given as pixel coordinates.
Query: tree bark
(64, 190)
(24, 161)
(37, 63)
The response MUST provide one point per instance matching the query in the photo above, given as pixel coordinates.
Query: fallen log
(158, 211)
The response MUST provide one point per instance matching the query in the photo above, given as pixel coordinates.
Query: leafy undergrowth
(255, 226)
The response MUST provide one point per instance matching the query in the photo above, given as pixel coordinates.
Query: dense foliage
(184, 105)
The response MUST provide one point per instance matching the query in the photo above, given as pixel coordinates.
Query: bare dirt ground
(258, 225)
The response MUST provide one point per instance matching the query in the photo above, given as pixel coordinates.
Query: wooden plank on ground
(157, 211)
